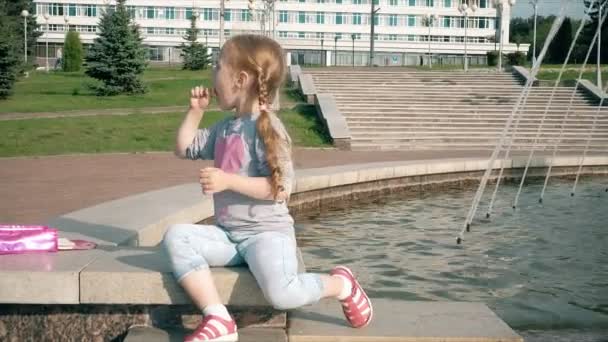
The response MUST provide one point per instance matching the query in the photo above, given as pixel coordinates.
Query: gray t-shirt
(236, 147)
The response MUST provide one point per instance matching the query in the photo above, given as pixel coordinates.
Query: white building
(311, 31)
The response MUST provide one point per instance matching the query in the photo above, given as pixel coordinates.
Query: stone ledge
(333, 120)
(591, 89)
(400, 321)
(307, 86)
(524, 75)
(89, 276)
(294, 74)
(143, 276)
(137, 220)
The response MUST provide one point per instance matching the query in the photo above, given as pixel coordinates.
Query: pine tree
(72, 52)
(9, 59)
(12, 10)
(589, 31)
(194, 53)
(117, 57)
(561, 43)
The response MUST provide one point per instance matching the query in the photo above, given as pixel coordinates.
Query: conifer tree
(194, 54)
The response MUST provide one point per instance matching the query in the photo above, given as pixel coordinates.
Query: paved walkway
(37, 189)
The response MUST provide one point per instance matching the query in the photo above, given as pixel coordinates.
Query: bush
(492, 58)
(516, 58)
(72, 52)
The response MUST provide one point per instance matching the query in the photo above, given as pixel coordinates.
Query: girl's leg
(273, 261)
(192, 250)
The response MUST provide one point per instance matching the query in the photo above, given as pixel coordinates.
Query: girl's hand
(199, 98)
(213, 180)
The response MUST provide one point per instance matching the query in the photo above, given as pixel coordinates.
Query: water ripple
(542, 266)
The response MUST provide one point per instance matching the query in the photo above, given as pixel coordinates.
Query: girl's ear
(243, 79)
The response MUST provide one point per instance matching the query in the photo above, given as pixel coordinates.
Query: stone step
(468, 109)
(479, 135)
(401, 321)
(476, 124)
(407, 121)
(450, 97)
(458, 146)
(565, 144)
(520, 131)
(473, 117)
(143, 276)
(487, 108)
(151, 334)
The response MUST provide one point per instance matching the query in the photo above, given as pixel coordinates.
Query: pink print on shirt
(229, 153)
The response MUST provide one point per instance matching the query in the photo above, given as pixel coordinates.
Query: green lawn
(571, 75)
(131, 133)
(59, 91)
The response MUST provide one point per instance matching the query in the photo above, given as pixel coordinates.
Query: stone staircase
(419, 110)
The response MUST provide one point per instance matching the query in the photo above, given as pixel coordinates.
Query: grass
(59, 91)
(570, 75)
(130, 133)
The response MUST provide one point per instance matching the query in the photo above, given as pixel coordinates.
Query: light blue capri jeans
(270, 255)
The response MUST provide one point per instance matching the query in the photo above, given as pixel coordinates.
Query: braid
(269, 135)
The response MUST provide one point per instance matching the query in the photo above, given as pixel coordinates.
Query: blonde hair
(262, 57)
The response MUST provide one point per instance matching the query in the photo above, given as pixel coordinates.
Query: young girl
(251, 182)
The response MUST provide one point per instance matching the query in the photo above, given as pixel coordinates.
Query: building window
(483, 3)
(357, 19)
(188, 13)
(338, 1)
(320, 18)
(393, 2)
(207, 14)
(482, 23)
(302, 17)
(245, 15)
(447, 3)
(156, 54)
(150, 13)
(228, 14)
(57, 9)
(301, 35)
(170, 13)
(430, 3)
(339, 19)
(411, 20)
(357, 2)
(283, 16)
(91, 11)
(392, 20)
(412, 3)
(283, 34)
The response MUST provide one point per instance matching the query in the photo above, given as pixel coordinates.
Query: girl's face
(224, 85)
(230, 86)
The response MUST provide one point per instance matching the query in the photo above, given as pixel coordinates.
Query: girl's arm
(187, 131)
(215, 180)
(256, 187)
(191, 142)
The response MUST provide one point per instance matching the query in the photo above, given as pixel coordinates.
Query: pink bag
(18, 239)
